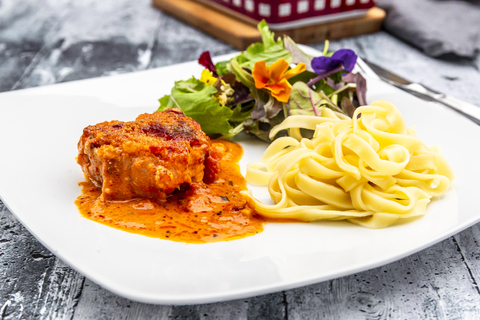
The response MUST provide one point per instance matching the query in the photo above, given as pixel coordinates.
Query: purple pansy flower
(343, 57)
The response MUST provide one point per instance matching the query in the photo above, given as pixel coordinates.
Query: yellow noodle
(370, 170)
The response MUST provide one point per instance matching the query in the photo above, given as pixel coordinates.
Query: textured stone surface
(45, 42)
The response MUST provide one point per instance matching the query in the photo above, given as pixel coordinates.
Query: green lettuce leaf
(269, 50)
(268, 38)
(239, 115)
(222, 68)
(165, 103)
(298, 56)
(197, 101)
(305, 101)
(242, 75)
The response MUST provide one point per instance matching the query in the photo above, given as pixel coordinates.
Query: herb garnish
(266, 83)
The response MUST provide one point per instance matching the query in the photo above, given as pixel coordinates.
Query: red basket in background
(284, 14)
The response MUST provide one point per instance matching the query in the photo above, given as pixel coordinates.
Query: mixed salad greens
(263, 85)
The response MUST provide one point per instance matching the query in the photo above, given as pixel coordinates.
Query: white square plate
(39, 131)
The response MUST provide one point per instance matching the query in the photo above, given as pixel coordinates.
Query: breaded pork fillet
(146, 158)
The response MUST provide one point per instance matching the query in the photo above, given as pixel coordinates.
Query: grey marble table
(46, 42)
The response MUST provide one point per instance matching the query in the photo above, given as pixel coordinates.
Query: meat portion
(146, 158)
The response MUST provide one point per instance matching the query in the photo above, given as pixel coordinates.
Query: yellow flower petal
(293, 72)
(207, 77)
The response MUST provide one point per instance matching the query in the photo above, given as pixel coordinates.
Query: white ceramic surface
(39, 131)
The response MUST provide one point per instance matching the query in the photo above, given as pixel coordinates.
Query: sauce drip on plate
(197, 213)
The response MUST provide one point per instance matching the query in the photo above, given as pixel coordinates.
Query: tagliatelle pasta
(370, 170)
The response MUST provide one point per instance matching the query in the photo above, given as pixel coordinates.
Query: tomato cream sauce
(197, 213)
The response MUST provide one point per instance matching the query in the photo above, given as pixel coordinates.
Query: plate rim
(239, 293)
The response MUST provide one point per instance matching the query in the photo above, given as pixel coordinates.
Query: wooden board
(240, 34)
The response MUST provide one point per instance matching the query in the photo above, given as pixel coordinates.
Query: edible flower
(274, 78)
(324, 66)
(207, 78)
(225, 91)
(343, 58)
(206, 61)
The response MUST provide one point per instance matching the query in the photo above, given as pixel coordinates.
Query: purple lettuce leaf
(206, 61)
(361, 86)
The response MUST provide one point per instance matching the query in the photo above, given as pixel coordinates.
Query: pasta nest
(370, 170)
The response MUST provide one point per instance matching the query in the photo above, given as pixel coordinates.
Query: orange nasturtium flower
(274, 78)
